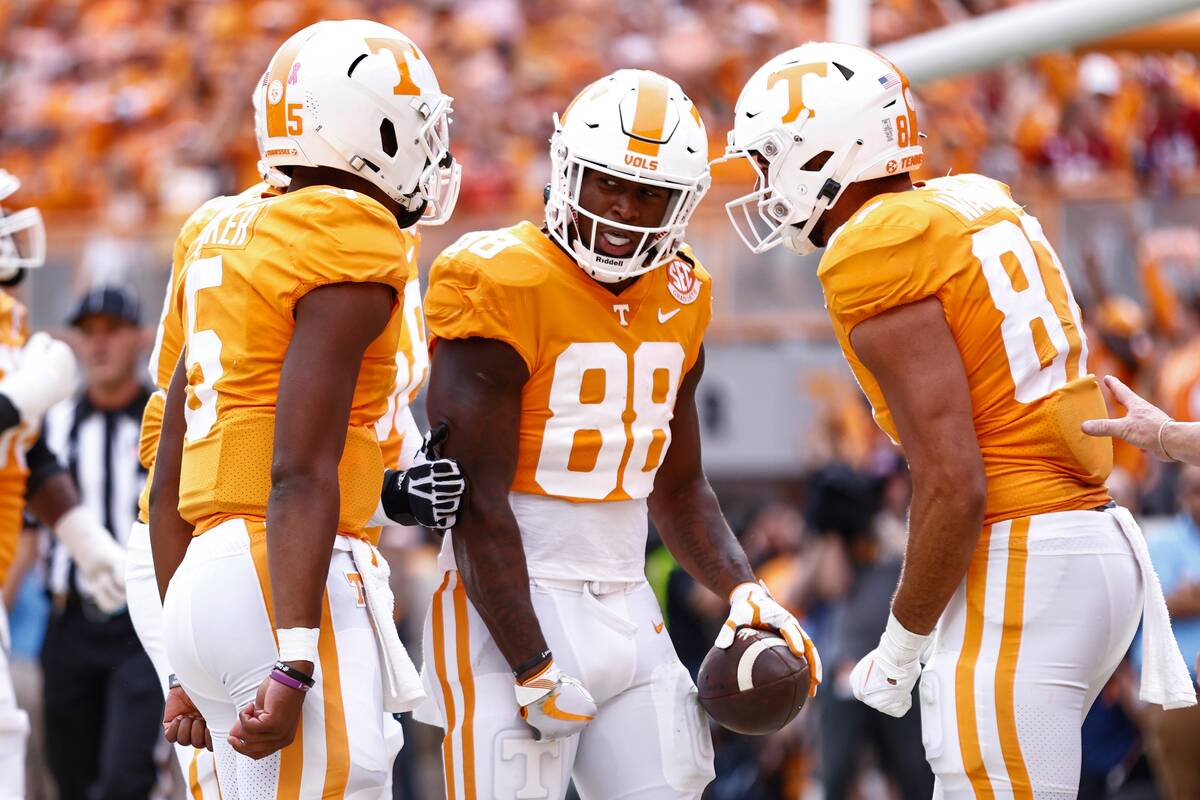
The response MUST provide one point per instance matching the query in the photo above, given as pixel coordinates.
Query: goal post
(1022, 31)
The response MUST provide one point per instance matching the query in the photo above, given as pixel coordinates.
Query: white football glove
(101, 560)
(45, 375)
(555, 705)
(885, 677)
(751, 605)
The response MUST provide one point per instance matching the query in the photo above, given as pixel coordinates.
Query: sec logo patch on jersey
(682, 283)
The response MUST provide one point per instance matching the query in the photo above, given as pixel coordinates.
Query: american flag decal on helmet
(889, 80)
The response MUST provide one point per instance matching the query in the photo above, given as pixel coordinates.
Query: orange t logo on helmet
(794, 75)
(399, 49)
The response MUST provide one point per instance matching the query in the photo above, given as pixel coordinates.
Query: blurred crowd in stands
(110, 104)
(122, 116)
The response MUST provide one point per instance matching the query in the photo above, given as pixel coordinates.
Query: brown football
(756, 686)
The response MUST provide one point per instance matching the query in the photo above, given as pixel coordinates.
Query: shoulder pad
(505, 257)
(885, 222)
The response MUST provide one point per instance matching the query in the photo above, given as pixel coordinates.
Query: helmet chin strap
(797, 238)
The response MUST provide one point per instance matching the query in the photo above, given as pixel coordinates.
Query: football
(756, 685)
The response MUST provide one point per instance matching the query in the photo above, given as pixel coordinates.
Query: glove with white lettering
(45, 376)
(885, 677)
(101, 560)
(555, 705)
(751, 605)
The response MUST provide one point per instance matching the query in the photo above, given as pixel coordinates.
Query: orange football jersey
(604, 368)
(397, 429)
(16, 441)
(168, 339)
(236, 297)
(1008, 303)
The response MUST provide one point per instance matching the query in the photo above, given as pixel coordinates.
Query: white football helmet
(820, 116)
(361, 97)
(639, 126)
(22, 233)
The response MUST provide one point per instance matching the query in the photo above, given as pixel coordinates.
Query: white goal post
(1022, 31)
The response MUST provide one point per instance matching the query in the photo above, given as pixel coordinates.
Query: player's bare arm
(684, 507)
(912, 354)
(475, 389)
(170, 533)
(334, 326)
(688, 517)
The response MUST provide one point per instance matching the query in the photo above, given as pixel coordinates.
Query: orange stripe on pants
(1006, 667)
(463, 650)
(291, 758)
(439, 669)
(194, 776)
(964, 671)
(337, 744)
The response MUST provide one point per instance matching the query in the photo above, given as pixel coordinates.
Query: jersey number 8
(1051, 308)
(615, 406)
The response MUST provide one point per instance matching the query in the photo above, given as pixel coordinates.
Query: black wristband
(536, 661)
(294, 673)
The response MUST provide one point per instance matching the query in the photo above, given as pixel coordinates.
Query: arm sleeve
(42, 464)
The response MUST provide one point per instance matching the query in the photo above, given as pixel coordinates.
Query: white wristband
(901, 644)
(298, 644)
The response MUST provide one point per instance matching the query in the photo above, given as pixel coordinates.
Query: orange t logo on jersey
(794, 75)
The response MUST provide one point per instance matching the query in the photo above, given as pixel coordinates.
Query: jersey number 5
(1042, 327)
(203, 355)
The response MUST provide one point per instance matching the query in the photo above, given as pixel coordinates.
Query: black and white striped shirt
(100, 450)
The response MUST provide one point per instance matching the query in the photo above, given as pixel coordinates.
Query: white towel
(402, 689)
(1165, 678)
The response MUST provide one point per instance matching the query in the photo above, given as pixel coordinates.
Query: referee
(102, 701)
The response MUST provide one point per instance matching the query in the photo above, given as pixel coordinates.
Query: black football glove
(429, 492)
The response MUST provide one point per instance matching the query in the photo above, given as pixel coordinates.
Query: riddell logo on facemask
(640, 162)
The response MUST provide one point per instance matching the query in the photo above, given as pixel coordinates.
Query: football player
(35, 373)
(565, 365)
(957, 318)
(289, 309)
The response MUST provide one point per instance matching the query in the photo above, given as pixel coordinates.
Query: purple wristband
(288, 681)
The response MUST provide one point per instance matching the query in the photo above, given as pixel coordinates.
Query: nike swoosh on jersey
(663, 318)
(658, 626)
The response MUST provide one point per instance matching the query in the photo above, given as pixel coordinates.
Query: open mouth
(615, 243)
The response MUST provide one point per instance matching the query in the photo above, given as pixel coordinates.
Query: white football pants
(1046, 612)
(649, 739)
(220, 639)
(145, 610)
(14, 724)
